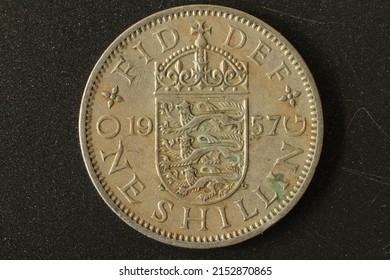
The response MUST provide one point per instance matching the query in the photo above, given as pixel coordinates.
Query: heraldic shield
(201, 120)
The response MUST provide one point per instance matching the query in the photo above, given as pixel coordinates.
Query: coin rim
(139, 227)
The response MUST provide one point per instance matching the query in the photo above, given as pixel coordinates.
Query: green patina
(277, 184)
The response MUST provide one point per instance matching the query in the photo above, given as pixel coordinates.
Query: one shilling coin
(201, 126)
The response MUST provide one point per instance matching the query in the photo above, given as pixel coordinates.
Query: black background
(49, 208)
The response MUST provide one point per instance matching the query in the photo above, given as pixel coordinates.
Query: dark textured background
(49, 208)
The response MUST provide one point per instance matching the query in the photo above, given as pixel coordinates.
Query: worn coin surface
(201, 126)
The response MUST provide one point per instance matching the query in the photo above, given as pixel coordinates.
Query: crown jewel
(213, 69)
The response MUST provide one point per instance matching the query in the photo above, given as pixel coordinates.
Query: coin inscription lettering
(201, 126)
(123, 68)
(162, 214)
(280, 72)
(142, 51)
(113, 126)
(292, 152)
(168, 39)
(117, 154)
(239, 38)
(260, 53)
(298, 119)
(135, 186)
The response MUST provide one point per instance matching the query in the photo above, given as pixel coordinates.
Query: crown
(213, 70)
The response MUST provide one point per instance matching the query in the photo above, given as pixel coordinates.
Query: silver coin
(201, 126)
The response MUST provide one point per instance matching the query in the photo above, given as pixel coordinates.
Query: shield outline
(239, 181)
